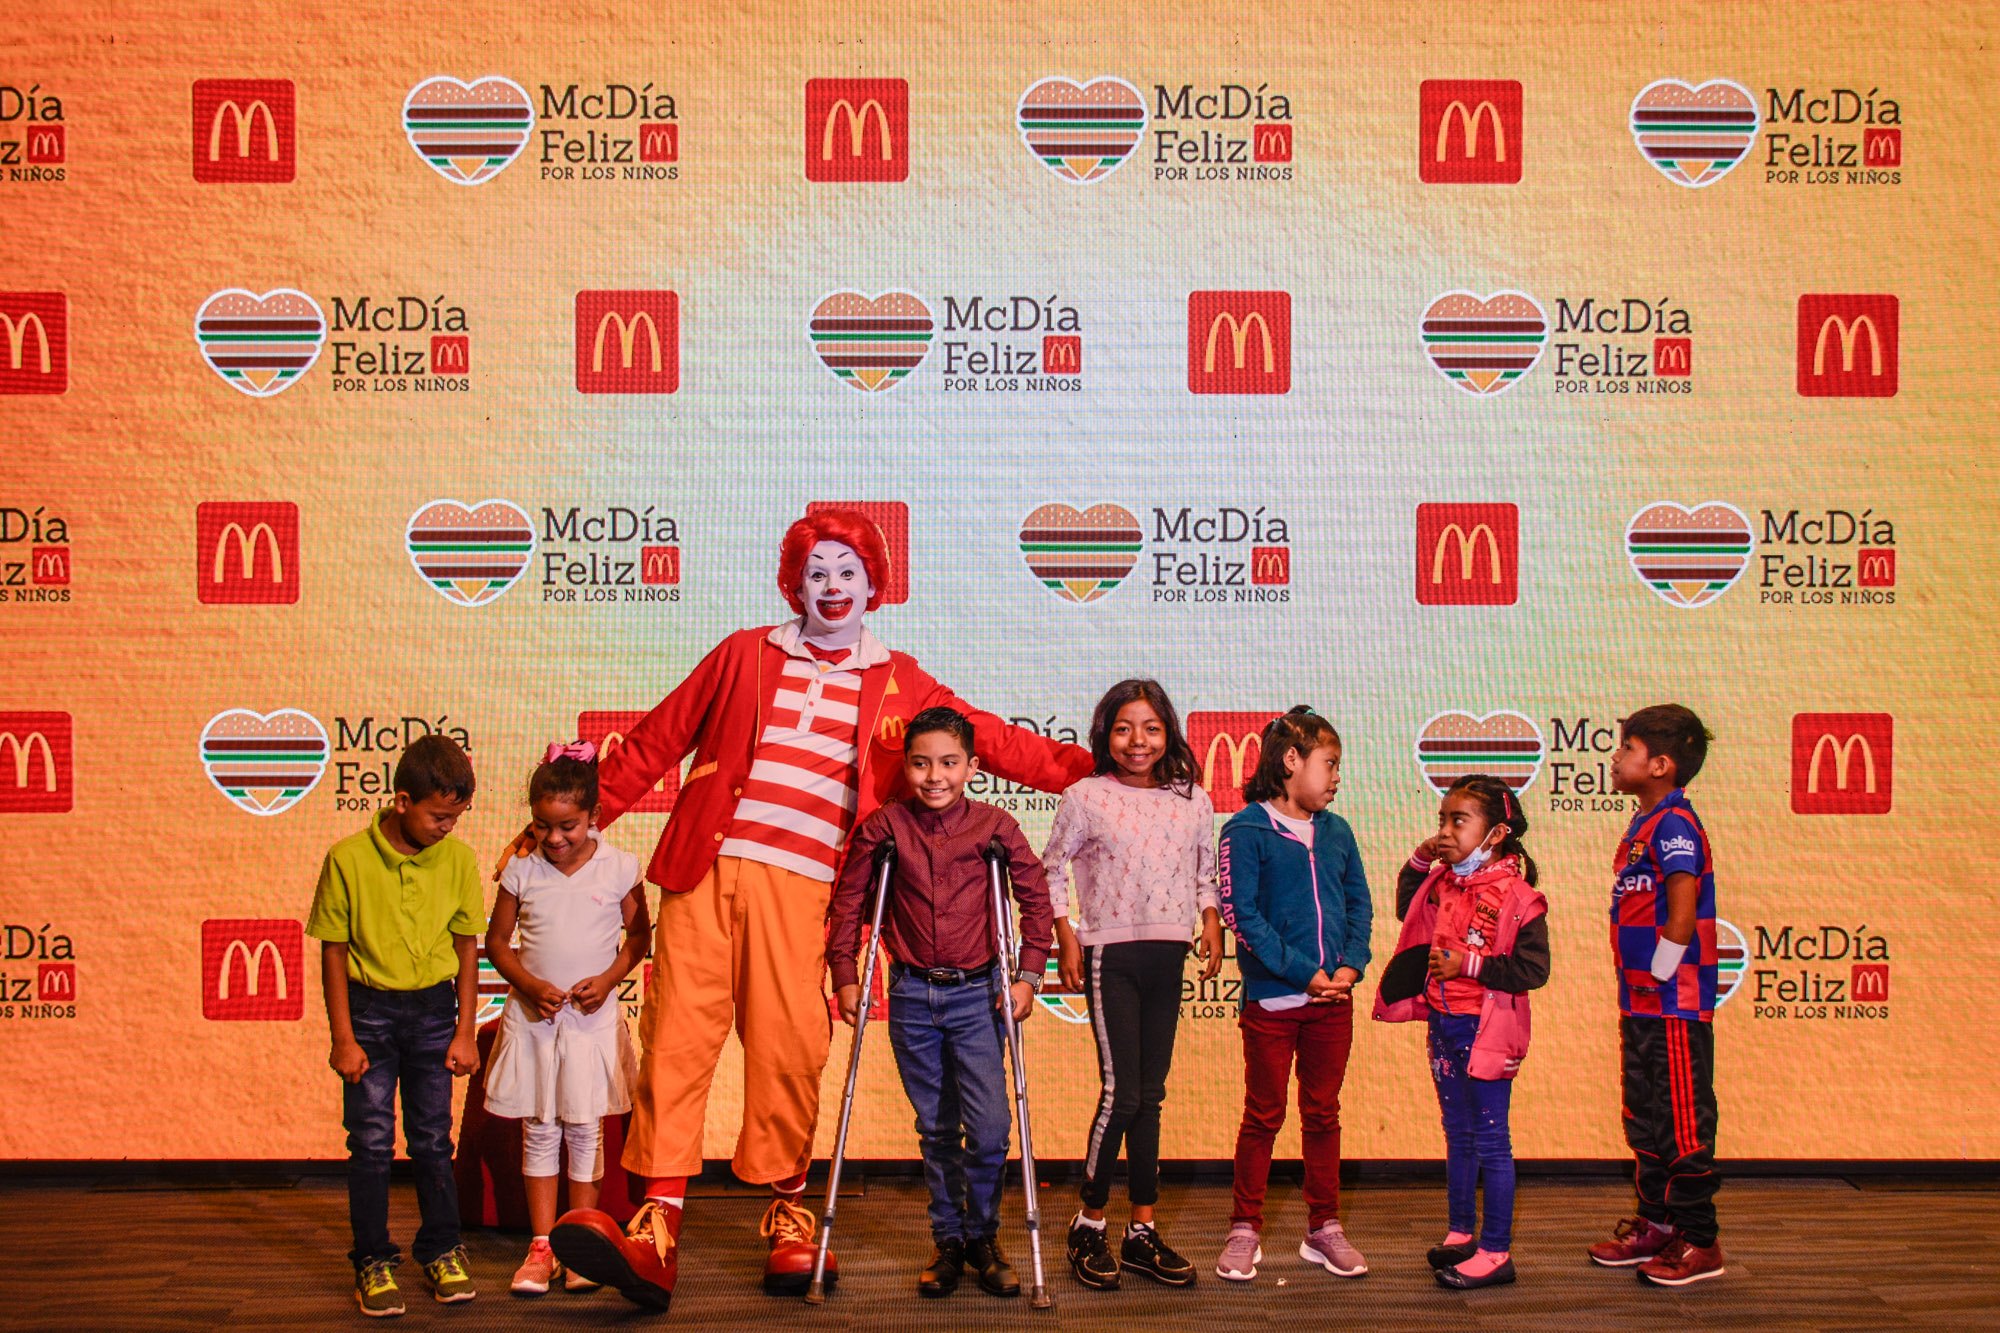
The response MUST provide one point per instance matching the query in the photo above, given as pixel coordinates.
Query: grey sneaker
(1328, 1247)
(1240, 1254)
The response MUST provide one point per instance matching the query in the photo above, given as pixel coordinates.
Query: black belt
(943, 976)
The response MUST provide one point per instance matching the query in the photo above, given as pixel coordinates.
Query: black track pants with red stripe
(1669, 1073)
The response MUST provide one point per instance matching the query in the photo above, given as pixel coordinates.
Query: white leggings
(541, 1145)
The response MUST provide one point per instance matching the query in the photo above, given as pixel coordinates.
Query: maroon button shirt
(940, 910)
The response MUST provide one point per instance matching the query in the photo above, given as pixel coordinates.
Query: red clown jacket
(718, 713)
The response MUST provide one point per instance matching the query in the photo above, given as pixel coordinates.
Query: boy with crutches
(944, 1023)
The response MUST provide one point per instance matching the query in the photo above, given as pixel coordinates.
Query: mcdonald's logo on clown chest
(857, 130)
(1228, 747)
(246, 552)
(1239, 342)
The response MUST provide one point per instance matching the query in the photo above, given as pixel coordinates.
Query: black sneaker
(1090, 1256)
(996, 1275)
(940, 1278)
(1145, 1252)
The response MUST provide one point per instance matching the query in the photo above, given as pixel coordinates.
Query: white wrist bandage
(1667, 958)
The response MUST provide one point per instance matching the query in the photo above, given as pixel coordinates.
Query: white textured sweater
(1143, 857)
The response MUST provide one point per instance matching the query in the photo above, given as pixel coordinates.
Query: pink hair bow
(583, 750)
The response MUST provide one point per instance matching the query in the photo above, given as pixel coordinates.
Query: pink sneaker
(1328, 1247)
(536, 1272)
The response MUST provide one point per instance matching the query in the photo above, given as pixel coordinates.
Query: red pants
(1319, 1035)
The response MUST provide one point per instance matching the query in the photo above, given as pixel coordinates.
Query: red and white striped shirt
(798, 803)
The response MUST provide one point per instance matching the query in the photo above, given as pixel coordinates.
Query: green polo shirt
(396, 914)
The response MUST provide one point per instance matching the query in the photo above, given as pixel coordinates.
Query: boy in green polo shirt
(399, 911)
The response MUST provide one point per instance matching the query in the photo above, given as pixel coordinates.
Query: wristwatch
(1032, 981)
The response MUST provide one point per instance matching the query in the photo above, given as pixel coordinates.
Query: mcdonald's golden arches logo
(1468, 555)
(246, 552)
(245, 131)
(36, 763)
(1239, 342)
(1848, 346)
(628, 342)
(1228, 747)
(857, 130)
(1843, 763)
(1469, 132)
(252, 970)
(607, 730)
(34, 342)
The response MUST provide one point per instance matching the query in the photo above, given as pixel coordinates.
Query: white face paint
(836, 591)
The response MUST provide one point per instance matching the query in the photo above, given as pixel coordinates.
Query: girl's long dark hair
(1300, 730)
(1500, 805)
(1176, 767)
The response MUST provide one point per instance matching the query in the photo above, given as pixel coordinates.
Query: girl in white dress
(563, 1060)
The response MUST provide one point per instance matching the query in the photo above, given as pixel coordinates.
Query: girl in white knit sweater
(1139, 836)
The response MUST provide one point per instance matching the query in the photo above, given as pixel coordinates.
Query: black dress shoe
(996, 1275)
(1451, 1277)
(941, 1277)
(1450, 1256)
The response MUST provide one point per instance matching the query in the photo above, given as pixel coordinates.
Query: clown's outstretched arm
(660, 741)
(1015, 753)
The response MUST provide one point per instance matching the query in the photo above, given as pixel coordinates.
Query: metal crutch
(1003, 930)
(885, 863)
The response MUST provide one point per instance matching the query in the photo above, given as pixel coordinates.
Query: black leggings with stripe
(1134, 992)
(1669, 1068)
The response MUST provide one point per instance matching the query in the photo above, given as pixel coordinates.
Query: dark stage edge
(1819, 1253)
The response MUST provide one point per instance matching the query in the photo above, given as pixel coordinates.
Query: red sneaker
(1633, 1241)
(643, 1261)
(1680, 1264)
(793, 1233)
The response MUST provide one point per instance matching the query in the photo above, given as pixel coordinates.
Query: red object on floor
(488, 1166)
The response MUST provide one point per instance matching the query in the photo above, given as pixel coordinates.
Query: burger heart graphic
(1501, 744)
(470, 553)
(871, 342)
(468, 132)
(1484, 344)
(264, 763)
(260, 345)
(1693, 136)
(1689, 557)
(1082, 132)
(1080, 555)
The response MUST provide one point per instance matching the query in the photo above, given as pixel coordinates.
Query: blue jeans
(405, 1035)
(947, 1041)
(1476, 1139)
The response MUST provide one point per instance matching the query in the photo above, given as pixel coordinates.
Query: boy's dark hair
(1176, 767)
(565, 776)
(940, 719)
(1499, 805)
(434, 764)
(1675, 732)
(1300, 730)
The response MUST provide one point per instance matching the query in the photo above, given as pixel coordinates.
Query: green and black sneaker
(375, 1290)
(450, 1280)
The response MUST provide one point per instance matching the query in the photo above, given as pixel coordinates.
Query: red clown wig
(850, 528)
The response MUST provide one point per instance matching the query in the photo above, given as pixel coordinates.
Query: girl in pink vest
(1475, 941)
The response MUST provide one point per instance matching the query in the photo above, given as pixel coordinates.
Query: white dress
(575, 1067)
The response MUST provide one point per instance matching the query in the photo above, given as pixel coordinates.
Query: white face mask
(1480, 856)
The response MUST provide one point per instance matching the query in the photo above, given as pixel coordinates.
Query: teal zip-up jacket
(1295, 911)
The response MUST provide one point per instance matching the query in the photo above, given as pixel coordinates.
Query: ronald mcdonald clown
(797, 734)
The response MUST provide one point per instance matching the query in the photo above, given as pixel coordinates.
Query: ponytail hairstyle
(1299, 731)
(1499, 804)
(1176, 768)
(566, 771)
